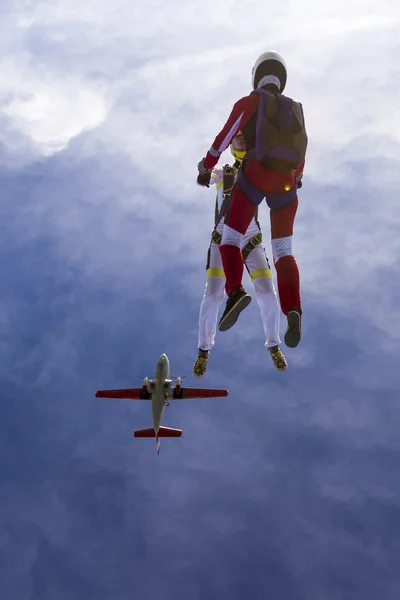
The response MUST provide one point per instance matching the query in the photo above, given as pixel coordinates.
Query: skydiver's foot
(278, 358)
(237, 301)
(293, 331)
(200, 365)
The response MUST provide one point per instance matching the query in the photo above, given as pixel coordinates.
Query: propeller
(178, 381)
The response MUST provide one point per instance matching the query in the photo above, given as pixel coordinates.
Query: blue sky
(287, 489)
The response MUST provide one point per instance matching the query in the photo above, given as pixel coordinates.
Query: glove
(204, 179)
(202, 167)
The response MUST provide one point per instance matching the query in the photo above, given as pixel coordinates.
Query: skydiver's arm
(241, 113)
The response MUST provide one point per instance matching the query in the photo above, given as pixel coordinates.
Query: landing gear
(166, 400)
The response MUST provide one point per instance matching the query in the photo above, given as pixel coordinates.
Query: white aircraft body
(160, 390)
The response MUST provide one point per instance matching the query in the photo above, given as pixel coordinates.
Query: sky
(289, 487)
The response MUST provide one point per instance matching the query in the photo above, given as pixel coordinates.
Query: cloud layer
(286, 488)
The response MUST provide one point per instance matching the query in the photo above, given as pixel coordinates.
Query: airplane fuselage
(160, 389)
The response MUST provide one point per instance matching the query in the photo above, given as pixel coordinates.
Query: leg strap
(252, 243)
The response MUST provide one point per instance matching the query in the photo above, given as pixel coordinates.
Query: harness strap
(228, 183)
(216, 237)
(252, 243)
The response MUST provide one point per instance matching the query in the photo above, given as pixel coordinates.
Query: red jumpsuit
(243, 206)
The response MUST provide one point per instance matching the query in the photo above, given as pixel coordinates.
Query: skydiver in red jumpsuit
(272, 169)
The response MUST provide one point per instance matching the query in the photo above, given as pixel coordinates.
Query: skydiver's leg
(212, 299)
(261, 275)
(241, 212)
(282, 221)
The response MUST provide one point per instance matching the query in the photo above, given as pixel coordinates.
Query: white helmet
(269, 64)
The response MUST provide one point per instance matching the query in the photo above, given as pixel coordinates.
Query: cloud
(105, 110)
(47, 108)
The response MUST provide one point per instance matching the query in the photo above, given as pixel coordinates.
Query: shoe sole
(293, 332)
(232, 316)
(281, 369)
(283, 366)
(199, 376)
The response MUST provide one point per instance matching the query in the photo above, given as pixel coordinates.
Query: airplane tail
(163, 432)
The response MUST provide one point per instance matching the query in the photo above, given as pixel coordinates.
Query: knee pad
(281, 247)
(231, 237)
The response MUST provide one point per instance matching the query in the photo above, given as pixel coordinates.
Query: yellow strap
(215, 272)
(257, 273)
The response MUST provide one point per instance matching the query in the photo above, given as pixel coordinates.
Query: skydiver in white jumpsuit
(257, 265)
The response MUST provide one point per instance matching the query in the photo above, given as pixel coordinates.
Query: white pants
(261, 275)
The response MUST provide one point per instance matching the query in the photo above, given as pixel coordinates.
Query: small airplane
(160, 390)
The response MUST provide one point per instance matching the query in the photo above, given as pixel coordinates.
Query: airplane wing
(186, 393)
(129, 394)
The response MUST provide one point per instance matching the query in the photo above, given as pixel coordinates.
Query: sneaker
(278, 358)
(237, 301)
(293, 331)
(200, 365)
